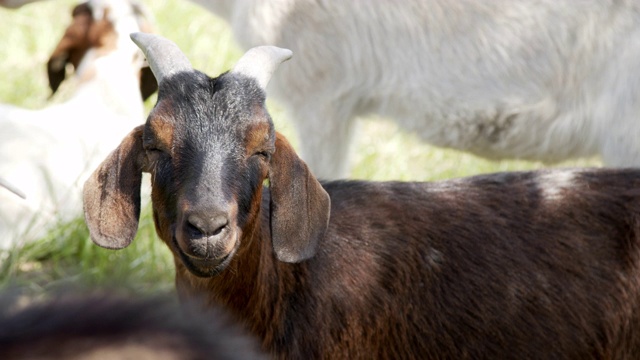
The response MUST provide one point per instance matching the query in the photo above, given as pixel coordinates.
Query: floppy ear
(300, 207)
(148, 83)
(111, 196)
(56, 69)
(71, 48)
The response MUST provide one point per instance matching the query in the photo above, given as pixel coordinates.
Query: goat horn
(163, 55)
(7, 185)
(261, 62)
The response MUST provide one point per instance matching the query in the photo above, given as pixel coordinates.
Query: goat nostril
(219, 229)
(198, 226)
(194, 230)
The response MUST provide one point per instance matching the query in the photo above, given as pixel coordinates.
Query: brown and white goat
(106, 326)
(50, 152)
(521, 265)
(98, 28)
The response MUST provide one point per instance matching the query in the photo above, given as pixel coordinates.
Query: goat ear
(111, 196)
(300, 207)
(148, 83)
(56, 70)
(71, 47)
(56, 67)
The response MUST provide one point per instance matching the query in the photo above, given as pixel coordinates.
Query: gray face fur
(208, 142)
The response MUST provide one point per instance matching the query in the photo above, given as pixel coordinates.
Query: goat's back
(545, 264)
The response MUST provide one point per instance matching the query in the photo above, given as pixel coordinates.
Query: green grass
(67, 255)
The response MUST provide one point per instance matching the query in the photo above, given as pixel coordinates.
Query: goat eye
(263, 154)
(151, 147)
(153, 150)
(153, 153)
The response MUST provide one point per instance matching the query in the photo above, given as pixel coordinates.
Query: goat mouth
(204, 267)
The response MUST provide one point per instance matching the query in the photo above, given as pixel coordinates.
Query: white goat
(539, 80)
(48, 153)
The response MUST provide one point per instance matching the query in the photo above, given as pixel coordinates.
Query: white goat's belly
(533, 131)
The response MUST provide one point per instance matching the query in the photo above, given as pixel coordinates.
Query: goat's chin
(205, 267)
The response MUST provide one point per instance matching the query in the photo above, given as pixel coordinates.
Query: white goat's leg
(325, 141)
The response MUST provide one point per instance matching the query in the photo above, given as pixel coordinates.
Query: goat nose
(206, 225)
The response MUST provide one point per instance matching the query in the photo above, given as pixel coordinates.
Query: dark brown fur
(107, 326)
(531, 265)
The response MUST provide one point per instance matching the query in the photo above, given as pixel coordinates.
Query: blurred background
(66, 254)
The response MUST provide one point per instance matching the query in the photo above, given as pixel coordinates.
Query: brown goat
(106, 326)
(520, 265)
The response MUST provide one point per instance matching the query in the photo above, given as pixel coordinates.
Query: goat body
(498, 266)
(49, 153)
(502, 79)
(518, 265)
(524, 265)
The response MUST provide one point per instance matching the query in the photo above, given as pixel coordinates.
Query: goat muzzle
(206, 241)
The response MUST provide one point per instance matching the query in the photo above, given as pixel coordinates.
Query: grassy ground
(66, 255)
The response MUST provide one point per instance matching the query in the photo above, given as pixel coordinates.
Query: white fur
(48, 153)
(554, 187)
(541, 80)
